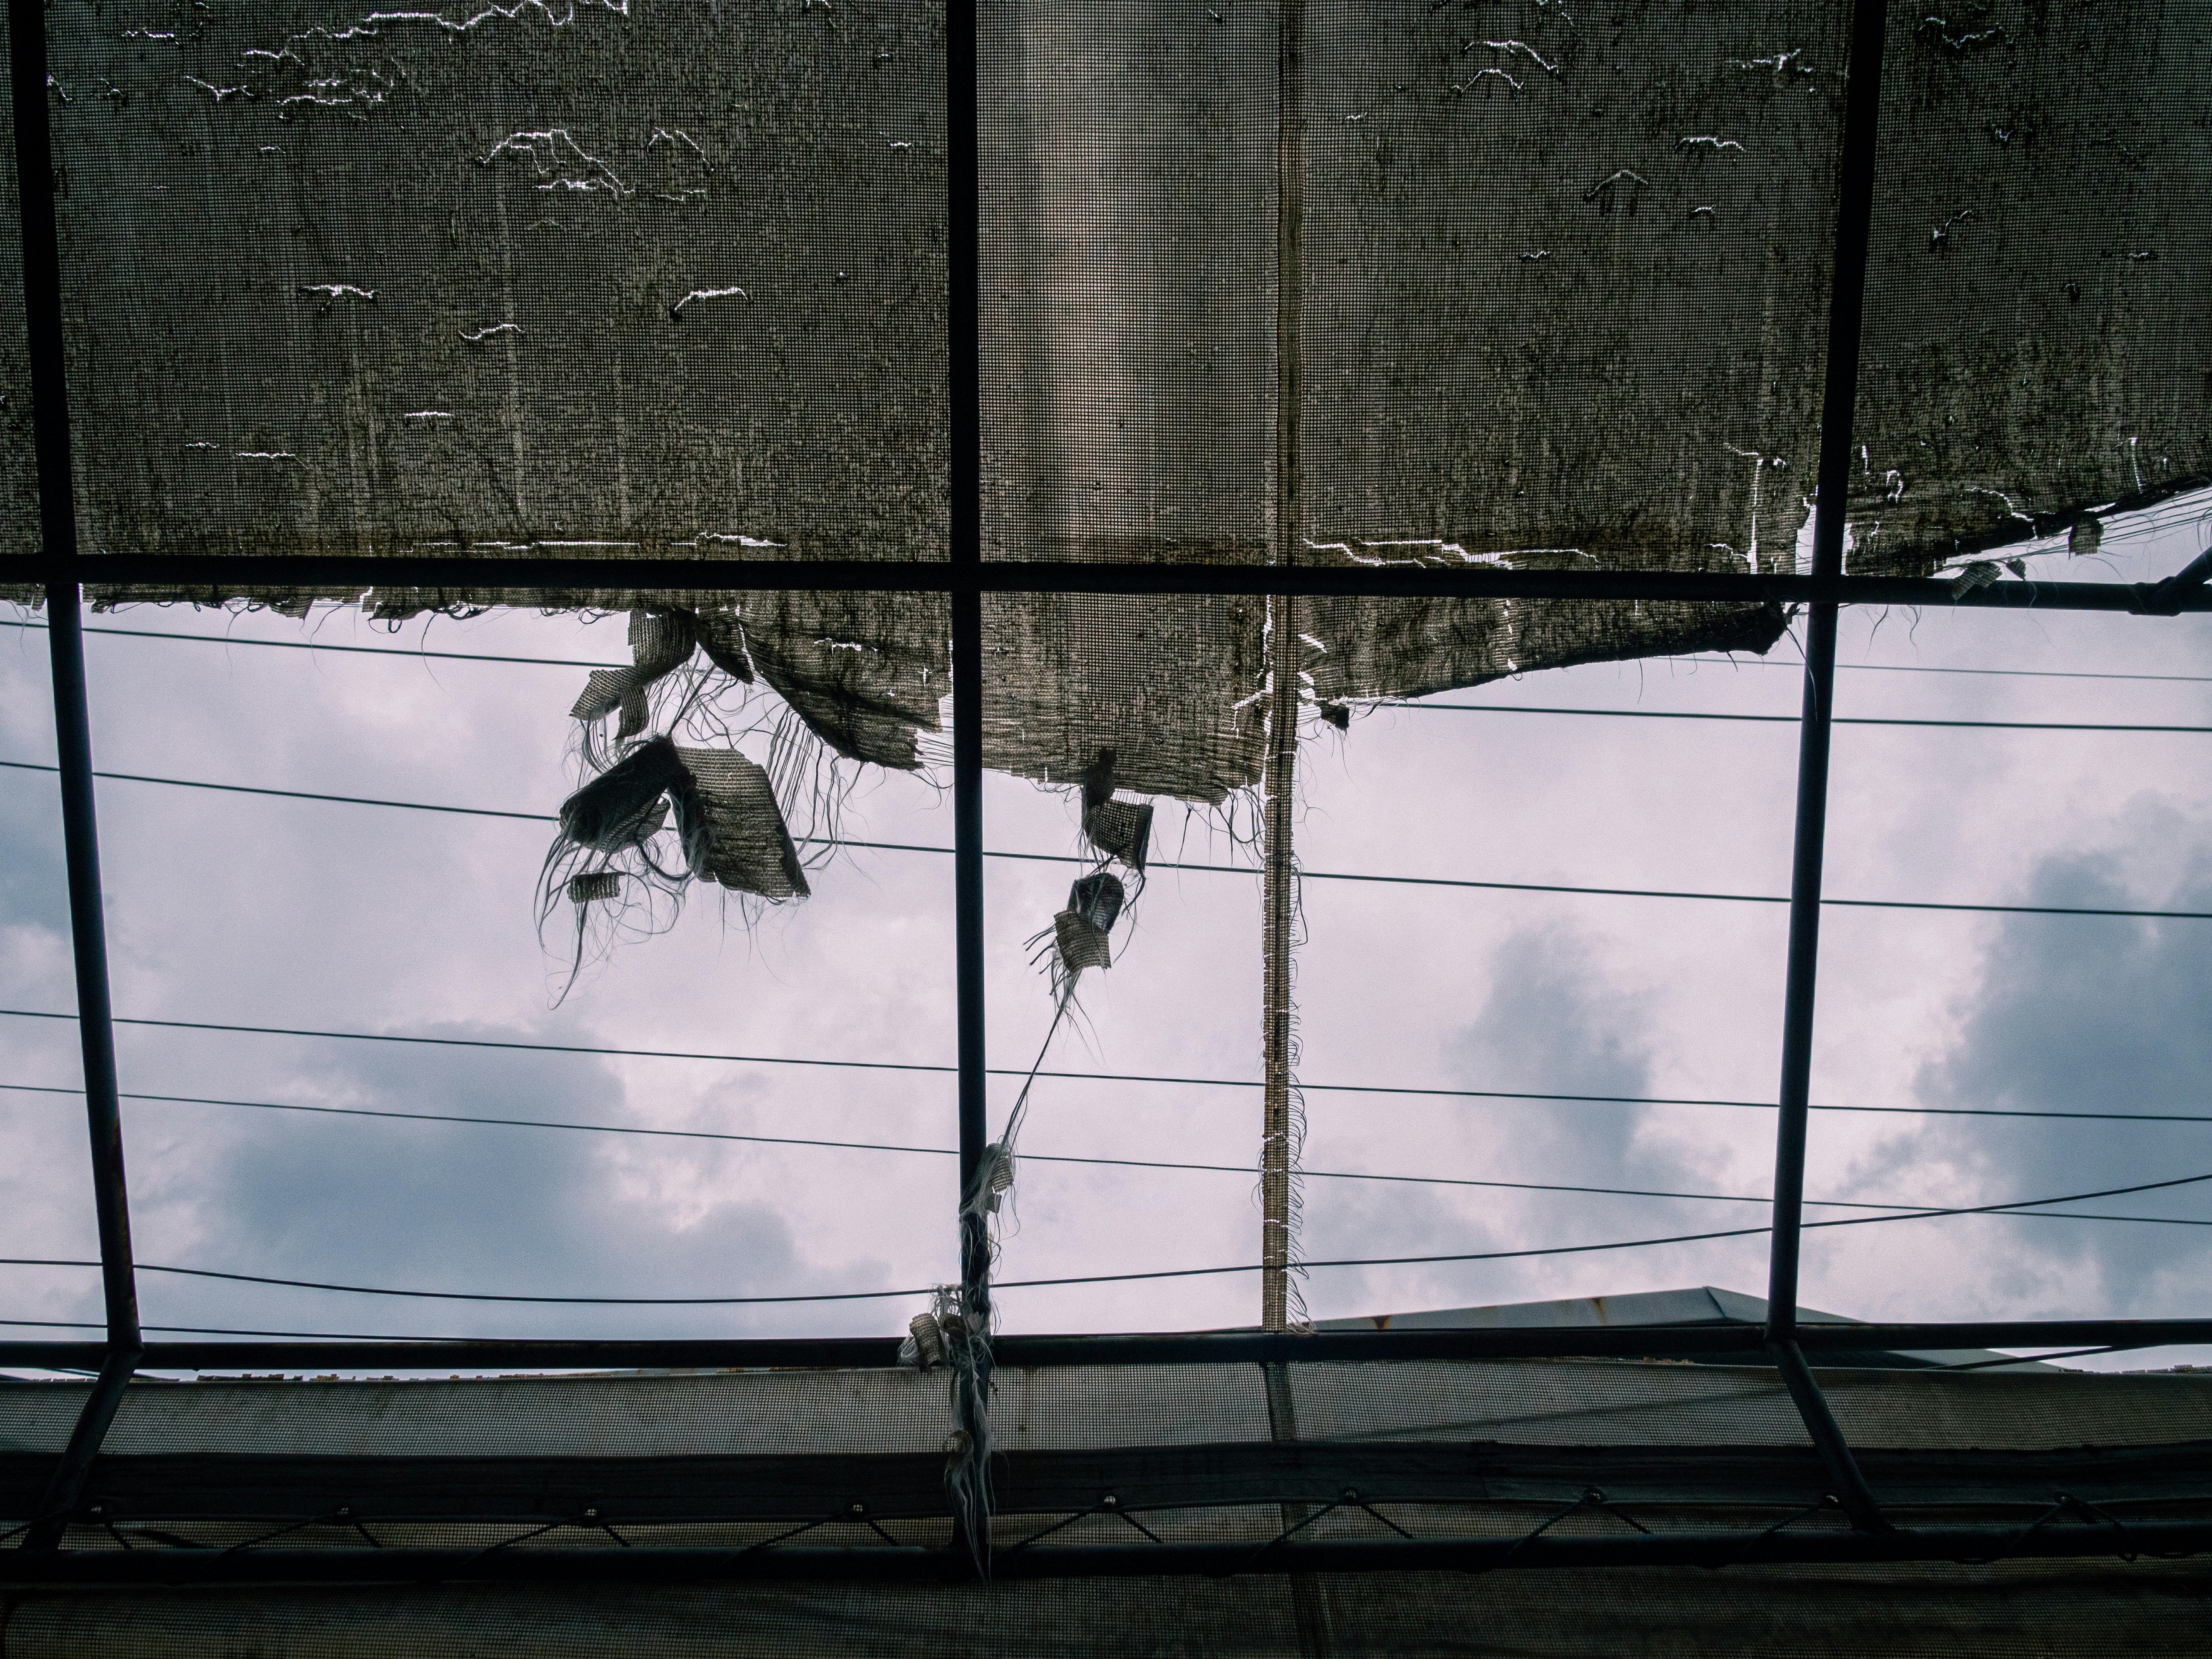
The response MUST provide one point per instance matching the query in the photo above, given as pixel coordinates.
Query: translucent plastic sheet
(1128, 217)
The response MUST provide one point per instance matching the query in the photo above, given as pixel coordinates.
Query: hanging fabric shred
(741, 840)
(729, 831)
(1121, 830)
(660, 641)
(595, 884)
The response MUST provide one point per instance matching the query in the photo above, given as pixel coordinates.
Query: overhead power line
(349, 650)
(1034, 1158)
(1930, 668)
(217, 1330)
(572, 662)
(2017, 1207)
(1106, 1077)
(1204, 869)
(1768, 719)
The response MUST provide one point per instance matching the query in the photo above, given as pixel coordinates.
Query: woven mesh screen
(19, 467)
(1153, 694)
(1377, 648)
(2038, 322)
(1553, 284)
(570, 274)
(1566, 279)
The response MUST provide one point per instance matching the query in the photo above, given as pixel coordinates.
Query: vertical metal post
(73, 737)
(1854, 212)
(1278, 1132)
(972, 1390)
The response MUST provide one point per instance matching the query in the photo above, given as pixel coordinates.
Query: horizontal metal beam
(889, 1564)
(219, 574)
(1199, 1347)
(265, 1489)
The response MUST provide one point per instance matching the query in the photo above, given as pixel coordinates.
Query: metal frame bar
(1185, 1348)
(966, 577)
(73, 741)
(217, 575)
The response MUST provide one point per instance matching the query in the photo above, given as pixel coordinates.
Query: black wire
(356, 650)
(567, 662)
(489, 1042)
(1212, 869)
(1772, 719)
(1034, 1158)
(1121, 1077)
(294, 795)
(1923, 668)
(226, 1330)
(2013, 1207)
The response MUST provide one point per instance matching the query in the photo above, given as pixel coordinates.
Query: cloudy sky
(250, 910)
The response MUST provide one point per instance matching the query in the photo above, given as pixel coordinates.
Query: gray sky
(256, 911)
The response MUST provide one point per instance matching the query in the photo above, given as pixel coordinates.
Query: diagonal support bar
(1851, 1489)
(2165, 598)
(1854, 215)
(73, 738)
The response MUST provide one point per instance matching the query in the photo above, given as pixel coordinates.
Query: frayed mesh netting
(19, 467)
(1337, 282)
(2040, 275)
(591, 275)
(818, 686)
(1567, 279)
(1523, 284)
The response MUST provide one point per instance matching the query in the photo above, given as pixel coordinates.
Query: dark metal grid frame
(62, 570)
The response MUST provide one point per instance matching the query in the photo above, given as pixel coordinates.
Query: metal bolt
(1108, 1501)
(860, 1508)
(589, 1513)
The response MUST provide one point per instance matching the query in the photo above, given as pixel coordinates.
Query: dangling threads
(729, 828)
(966, 1334)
